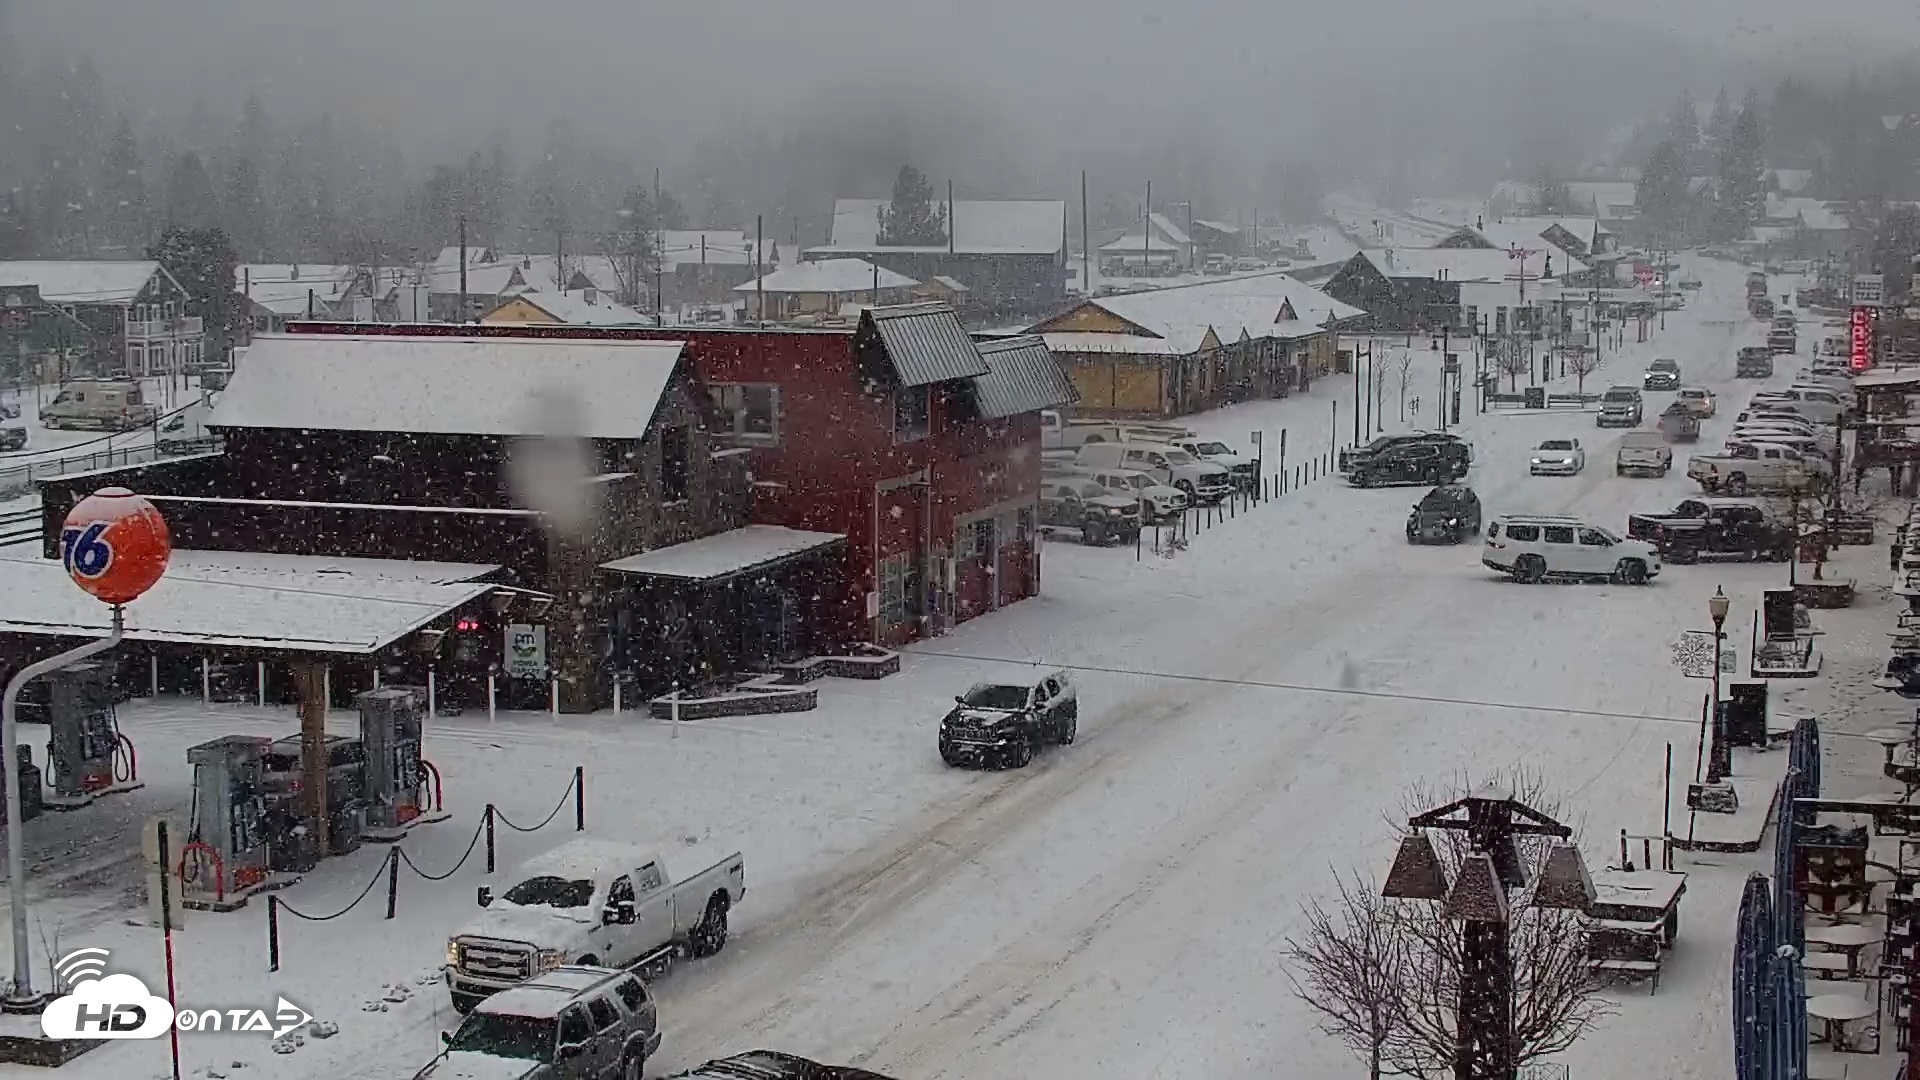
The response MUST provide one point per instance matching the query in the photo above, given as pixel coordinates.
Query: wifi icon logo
(81, 966)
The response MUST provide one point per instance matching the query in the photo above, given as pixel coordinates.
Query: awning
(724, 555)
(1023, 377)
(296, 603)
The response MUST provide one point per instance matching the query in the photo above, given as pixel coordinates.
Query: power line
(1340, 691)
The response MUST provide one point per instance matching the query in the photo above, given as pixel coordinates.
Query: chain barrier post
(393, 880)
(579, 798)
(489, 823)
(273, 932)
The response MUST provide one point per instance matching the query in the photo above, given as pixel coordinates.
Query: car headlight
(1451, 522)
(453, 954)
(548, 959)
(1113, 511)
(1537, 461)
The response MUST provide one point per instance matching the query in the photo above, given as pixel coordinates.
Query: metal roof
(1022, 377)
(925, 343)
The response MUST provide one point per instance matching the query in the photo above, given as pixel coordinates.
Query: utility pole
(1146, 230)
(759, 268)
(463, 269)
(659, 255)
(1086, 241)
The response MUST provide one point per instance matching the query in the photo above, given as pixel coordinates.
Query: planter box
(862, 662)
(738, 702)
(1824, 594)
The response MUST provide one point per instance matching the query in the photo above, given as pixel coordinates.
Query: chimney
(590, 295)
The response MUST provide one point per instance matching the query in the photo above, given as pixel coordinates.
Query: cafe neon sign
(1860, 344)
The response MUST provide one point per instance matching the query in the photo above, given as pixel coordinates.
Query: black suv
(1662, 374)
(773, 1065)
(1007, 723)
(1353, 457)
(1447, 515)
(1420, 462)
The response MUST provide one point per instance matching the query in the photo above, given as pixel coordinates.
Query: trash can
(1536, 397)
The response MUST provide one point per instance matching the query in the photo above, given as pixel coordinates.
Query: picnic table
(1835, 1012)
(1635, 917)
(1841, 942)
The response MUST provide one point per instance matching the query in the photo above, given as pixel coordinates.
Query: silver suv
(572, 1023)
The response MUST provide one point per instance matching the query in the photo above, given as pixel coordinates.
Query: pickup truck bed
(1700, 530)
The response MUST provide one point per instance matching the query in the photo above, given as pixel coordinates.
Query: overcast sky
(1058, 74)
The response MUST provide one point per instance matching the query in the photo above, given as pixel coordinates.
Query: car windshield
(1620, 395)
(1556, 444)
(1439, 499)
(997, 696)
(1178, 457)
(523, 1038)
(1139, 482)
(1663, 365)
(1211, 448)
(549, 891)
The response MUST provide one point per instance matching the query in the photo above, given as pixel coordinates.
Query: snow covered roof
(1792, 181)
(284, 288)
(828, 276)
(575, 309)
(925, 342)
(724, 554)
(1176, 320)
(248, 600)
(1508, 235)
(950, 283)
(1023, 377)
(445, 385)
(1135, 242)
(89, 281)
(1218, 226)
(1453, 264)
(977, 226)
(1165, 227)
(1816, 214)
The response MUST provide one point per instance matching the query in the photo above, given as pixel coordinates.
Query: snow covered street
(1253, 712)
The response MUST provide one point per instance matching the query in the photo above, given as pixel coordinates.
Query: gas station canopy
(292, 603)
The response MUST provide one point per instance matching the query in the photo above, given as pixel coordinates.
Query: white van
(1200, 481)
(1535, 547)
(105, 404)
(1818, 405)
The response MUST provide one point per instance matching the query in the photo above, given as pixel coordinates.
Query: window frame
(1547, 535)
(912, 413)
(579, 1014)
(634, 993)
(1531, 535)
(607, 1023)
(734, 417)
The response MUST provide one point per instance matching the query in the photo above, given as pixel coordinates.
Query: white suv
(1535, 547)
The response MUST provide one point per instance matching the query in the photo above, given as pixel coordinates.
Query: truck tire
(1094, 533)
(633, 1064)
(1022, 755)
(1186, 488)
(1630, 572)
(1529, 569)
(710, 936)
(588, 960)
(464, 1003)
(1071, 729)
(1737, 484)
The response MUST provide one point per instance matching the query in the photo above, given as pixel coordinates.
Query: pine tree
(122, 191)
(1742, 196)
(912, 218)
(203, 262)
(672, 214)
(16, 233)
(190, 201)
(1719, 124)
(630, 245)
(1663, 193)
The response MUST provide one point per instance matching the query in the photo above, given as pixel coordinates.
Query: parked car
(1643, 453)
(1662, 374)
(1714, 527)
(1620, 406)
(1737, 472)
(1818, 404)
(1201, 481)
(13, 435)
(1760, 307)
(9, 410)
(1243, 470)
(1679, 424)
(1698, 400)
(103, 404)
(1007, 723)
(1448, 514)
(1158, 502)
(591, 902)
(1755, 362)
(1536, 547)
(1097, 514)
(773, 1065)
(1781, 342)
(1060, 432)
(571, 1023)
(1421, 462)
(1557, 457)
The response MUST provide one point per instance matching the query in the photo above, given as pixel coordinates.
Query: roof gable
(829, 276)
(1022, 377)
(924, 343)
(446, 385)
(1090, 317)
(86, 281)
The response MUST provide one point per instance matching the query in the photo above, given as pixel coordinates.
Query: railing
(185, 326)
(19, 527)
(22, 476)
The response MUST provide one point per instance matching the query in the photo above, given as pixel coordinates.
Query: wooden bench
(1622, 955)
(1627, 971)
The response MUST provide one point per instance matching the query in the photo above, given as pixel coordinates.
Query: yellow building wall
(1117, 384)
(1088, 318)
(516, 312)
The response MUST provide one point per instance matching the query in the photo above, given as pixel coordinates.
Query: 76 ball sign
(115, 545)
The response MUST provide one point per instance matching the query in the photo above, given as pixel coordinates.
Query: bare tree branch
(1511, 360)
(1582, 362)
(1355, 963)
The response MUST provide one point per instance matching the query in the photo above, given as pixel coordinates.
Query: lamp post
(1719, 754)
(1478, 896)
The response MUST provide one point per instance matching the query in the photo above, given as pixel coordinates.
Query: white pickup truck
(1643, 453)
(1058, 432)
(591, 902)
(1755, 468)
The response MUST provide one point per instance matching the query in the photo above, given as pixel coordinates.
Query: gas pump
(83, 738)
(27, 775)
(226, 851)
(390, 732)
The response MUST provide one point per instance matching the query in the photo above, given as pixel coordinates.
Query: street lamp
(1479, 896)
(1719, 754)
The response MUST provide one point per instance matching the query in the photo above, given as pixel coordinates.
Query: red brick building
(918, 445)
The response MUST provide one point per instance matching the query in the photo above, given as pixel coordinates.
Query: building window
(982, 541)
(675, 447)
(910, 413)
(893, 589)
(1473, 319)
(1023, 525)
(746, 412)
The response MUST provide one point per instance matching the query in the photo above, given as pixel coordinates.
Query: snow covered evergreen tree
(912, 218)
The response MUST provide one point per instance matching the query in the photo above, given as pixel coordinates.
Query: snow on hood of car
(469, 1065)
(534, 924)
(985, 717)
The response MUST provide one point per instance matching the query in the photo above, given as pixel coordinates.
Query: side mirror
(959, 700)
(484, 895)
(446, 1038)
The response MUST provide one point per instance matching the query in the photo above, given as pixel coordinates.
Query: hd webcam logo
(118, 1006)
